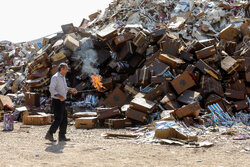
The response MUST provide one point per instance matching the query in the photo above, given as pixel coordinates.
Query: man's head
(63, 69)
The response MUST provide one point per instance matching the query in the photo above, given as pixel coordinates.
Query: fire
(96, 79)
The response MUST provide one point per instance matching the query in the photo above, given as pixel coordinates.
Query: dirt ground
(26, 146)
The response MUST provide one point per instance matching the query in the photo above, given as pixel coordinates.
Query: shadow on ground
(56, 148)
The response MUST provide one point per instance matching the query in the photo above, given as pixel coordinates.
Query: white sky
(25, 20)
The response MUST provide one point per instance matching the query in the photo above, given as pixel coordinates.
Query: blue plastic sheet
(219, 117)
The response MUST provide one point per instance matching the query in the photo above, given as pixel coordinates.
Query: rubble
(139, 62)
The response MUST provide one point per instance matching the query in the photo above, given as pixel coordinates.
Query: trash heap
(136, 62)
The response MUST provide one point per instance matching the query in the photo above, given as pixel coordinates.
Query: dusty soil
(27, 147)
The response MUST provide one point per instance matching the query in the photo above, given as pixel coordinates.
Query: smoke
(89, 57)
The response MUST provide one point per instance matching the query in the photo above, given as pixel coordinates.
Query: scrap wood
(120, 135)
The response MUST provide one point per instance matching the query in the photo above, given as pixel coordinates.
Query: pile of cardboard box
(157, 60)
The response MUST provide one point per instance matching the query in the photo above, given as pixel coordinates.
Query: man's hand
(73, 90)
(61, 98)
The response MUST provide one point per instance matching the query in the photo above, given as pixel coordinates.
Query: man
(58, 89)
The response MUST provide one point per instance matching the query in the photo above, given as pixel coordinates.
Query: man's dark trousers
(60, 117)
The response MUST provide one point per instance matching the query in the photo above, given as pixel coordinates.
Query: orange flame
(96, 79)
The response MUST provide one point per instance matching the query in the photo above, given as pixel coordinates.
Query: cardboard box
(117, 123)
(171, 105)
(235, 94)
(183, 82)
(32, 99)
(116, 98)
(104, 113)
(123, 38)
(229, 33)
(205, 52)
(84, 114)
(172, 133)
(155, 93)
(189, 96)
(143, 105)
(57, 56)
(43, 72)
(190, 110)
(140, 39)
(241, 105)
(137, 115)
(172, 61)
(37, 120)
(210, 85)
(68, 28)
(71, 43)
(85, 122)
(107, 33)
(206, 69)
(229, 64)
(144, 76)
(170, 46)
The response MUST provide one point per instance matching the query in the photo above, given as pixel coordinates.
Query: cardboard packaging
(229, 33)
(189, 96)
(229, 64)
(158, 68)
(241, 105)
(187, 56)
(205, 52)
(117, 123)
(107, 33)
(235, 94)
(143, 105)
(104, 113)
(36, 83)
(155, 93)
(125, 51)
(144, 76)
(171, 105)
(190, 110)
(137, 115)
(123, 38)
(116, 98)
(140, 50)
(37, 60)
(170, 46)
(57, 57)
(71, 43)
(68, 28)
(85, 122)
(37, 119)
(140, 39)
(210, 85)
(183, 82)
(84, 114)
(32, 99)
(172, 61)
(206, 69)
(39, 73)
(48, 39)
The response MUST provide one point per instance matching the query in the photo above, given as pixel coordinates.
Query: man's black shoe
(63, 138)
(50, 137)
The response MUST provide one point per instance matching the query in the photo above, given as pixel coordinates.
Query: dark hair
(62, 65)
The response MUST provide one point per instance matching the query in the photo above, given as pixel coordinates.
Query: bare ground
(27, 147)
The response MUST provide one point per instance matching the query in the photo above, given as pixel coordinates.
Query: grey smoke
(89, 57)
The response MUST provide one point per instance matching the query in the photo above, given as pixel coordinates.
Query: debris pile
(136, 62)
